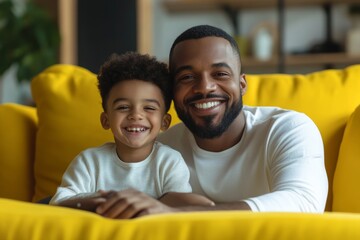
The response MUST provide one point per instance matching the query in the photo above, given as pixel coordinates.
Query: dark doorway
(104, 27)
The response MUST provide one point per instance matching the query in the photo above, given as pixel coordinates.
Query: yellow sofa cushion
(21, 220)
(69, 106)
(17, 149)
(347, 175)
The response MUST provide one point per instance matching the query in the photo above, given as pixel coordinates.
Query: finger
(141, 206)
(113, 199)
(124, 204)
(89, 204)
(106, 194)
(132, 210)
(119, 209)
(99, 200)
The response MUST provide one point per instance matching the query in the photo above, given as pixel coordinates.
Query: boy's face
(135, 114)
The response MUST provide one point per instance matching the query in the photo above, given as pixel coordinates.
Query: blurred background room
(275, 36)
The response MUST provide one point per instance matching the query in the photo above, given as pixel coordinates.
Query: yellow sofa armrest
(20, 220)
(18, 126)
(347, 174)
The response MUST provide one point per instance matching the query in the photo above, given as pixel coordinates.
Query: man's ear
(243, 84)
(165, 122)
(104, 121)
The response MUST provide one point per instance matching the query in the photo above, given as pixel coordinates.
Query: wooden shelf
(303, 60)
(232, 6)
(205, 5)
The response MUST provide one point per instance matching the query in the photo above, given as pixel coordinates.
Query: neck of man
(227, 140)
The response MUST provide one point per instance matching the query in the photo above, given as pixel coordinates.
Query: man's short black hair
(134, 66)
(202, 31)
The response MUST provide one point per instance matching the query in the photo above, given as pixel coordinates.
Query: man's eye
(185, 78)
(221, 74)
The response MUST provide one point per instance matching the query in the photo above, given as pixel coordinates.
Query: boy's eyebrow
(145, 100)
(119, 100)
(153, 101)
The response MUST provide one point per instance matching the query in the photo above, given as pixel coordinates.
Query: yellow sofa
(37, 143)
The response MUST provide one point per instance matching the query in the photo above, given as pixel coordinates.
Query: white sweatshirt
(164, 170)
(278, 165)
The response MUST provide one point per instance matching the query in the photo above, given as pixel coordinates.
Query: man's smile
(207, 105)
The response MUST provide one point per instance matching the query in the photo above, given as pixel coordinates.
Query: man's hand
(130, 203)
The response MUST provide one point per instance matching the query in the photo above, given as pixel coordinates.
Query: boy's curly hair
(134, 66)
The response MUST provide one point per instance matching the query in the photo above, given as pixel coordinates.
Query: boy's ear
(165, 122)
(104, 121)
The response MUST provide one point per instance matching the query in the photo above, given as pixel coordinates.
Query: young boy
(136, 94)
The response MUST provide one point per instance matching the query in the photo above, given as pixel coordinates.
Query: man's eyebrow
(182, 68)
(221, 64)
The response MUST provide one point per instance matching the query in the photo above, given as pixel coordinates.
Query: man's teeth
(207, 105)
(135, 129)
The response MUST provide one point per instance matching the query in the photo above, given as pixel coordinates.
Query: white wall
(8, 86)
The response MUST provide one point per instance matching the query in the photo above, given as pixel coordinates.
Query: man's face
(207, 85)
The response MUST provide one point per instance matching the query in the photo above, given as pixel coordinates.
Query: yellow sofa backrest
(69, 107)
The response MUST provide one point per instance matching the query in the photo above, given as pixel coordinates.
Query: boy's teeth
(135, 129)
(207, 105)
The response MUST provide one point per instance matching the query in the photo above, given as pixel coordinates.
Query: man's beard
(210, 130)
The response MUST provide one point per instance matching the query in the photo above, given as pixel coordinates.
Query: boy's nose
(135, 115)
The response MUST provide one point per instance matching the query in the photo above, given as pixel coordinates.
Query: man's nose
(205, 84)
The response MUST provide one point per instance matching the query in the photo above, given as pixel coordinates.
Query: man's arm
(217, 207)
(176, 199)
(196, 202)
(131, 203)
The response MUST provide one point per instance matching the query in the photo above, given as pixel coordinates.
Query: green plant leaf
(30, 40)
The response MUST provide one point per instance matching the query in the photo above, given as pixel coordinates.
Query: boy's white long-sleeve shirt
(99, 168)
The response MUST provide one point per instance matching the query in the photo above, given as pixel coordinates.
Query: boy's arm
(88, 202)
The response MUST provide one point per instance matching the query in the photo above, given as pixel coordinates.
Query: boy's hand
(130, 203)
(87, 202)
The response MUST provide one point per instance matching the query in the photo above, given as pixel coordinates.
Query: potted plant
(30, 40)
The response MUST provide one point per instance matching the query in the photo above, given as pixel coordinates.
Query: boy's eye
(122, 107)
(150, 108)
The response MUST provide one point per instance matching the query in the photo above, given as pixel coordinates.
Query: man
(242, 158)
